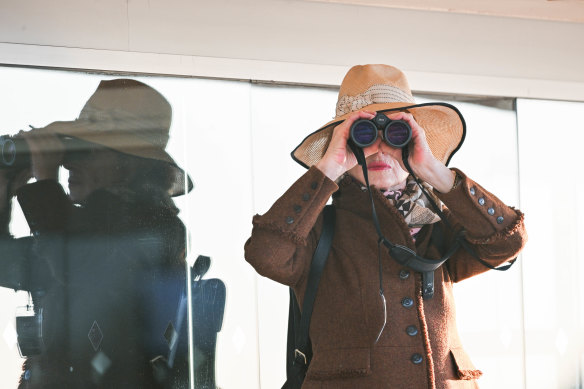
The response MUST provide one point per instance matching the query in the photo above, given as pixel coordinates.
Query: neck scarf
(413, 205)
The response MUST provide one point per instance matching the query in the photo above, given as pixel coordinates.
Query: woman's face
(383, 168)
(95, 168)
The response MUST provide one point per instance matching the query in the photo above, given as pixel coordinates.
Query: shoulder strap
(316, 268)
(299, 351)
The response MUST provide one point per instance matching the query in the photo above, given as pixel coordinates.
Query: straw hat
(384, 88)
(130, 117)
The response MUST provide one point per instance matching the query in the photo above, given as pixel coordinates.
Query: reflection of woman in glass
(106, 265)
(379, 322)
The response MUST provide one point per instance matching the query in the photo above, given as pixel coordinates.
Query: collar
(350, 197)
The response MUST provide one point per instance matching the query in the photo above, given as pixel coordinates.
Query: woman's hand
(338, 157)
(423, 163)
(46, 153)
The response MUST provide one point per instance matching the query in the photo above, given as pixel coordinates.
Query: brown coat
(348, 312)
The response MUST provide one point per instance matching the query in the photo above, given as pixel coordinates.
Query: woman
(106, 266)
(414, 344)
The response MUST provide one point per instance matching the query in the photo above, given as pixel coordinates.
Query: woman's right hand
(338, 157)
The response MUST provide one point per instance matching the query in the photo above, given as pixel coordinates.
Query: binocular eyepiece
(396, 133)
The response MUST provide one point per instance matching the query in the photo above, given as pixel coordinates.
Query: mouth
(378, 165)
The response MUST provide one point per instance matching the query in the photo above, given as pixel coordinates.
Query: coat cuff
(45, 206)
(294, 214)
(478, 211)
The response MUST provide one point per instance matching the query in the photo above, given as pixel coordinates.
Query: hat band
(376, 94)
(151, 129)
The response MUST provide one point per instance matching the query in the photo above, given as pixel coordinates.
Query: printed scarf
(413, 204)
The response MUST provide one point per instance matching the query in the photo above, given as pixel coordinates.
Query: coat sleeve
(18, 258)
(283, 239)
(495, 231)
(45, 205)
(14, 254)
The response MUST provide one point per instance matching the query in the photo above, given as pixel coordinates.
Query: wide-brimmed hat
(131, 117)
(384, 88)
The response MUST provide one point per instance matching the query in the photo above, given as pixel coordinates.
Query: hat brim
(124, 143)
(443, 123)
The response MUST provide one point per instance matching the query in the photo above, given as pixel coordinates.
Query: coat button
(297, 208)
(472, 191)
(417, 359)
(314, 185)
(289, 220)
(407, 302)
(305, 197)
(481, 201)
(404, 274)
(491, 211)
(500, 219)
(412, 330)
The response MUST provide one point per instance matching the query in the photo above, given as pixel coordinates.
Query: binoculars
(15, 154)
(396, 133)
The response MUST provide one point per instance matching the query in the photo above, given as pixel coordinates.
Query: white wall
(552, 194)
(297, 41)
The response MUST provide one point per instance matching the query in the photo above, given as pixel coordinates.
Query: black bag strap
(299, 350)
(293, 379)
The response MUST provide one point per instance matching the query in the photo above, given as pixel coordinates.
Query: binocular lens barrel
(363, 133)
(396, 133)
(14, 153)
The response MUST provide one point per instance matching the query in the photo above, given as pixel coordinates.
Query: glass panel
(281, 118)
(114, 307)
(552, 194)
(489, 306)
(217, 148)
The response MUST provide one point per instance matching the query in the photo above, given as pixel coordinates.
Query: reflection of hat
(130, 117)
(385, 88)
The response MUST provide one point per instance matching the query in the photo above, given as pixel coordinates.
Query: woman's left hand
(423, 163)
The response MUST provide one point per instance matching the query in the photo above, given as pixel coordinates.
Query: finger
(43, 142)
(400, 115)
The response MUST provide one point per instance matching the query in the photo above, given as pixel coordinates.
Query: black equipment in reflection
(208, 303)
(29, 330)
(15, 154)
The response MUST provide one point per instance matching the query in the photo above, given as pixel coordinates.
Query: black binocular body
(396, 133)
(15, 154)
